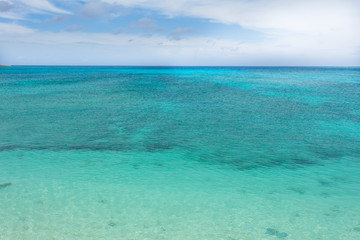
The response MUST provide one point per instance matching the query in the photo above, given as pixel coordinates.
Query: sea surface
(179, 153)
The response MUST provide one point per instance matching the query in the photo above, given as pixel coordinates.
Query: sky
(180, 32)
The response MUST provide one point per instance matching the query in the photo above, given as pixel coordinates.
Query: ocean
(180, 153)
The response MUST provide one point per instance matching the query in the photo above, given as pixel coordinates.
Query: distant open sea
(179, 153)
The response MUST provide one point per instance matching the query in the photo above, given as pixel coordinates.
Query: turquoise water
(179, 153)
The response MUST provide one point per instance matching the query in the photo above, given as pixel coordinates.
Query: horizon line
(104, 65)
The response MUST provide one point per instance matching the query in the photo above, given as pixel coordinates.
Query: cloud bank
(295, 32)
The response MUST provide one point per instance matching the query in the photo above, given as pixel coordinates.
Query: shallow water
(179, 153)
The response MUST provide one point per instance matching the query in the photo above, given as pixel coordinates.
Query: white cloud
(297, 32)
(145, 24)
(12, 29)
(75, 28)
(178, 33)
(11, 15)
(308, 24)
(296, 15)
(132, 49)
(20, 9)
(44, 5)
(6, 6)
(96, 9)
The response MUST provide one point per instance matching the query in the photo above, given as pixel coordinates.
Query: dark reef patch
(84, 147)
(282, 235)
(297, 190)
(111, 224)
(324, 183)
(8, 148)
(303, 161)
(329, 152)
(274, 232)
(325, 194)
(157, 146)
(271, 231)
(263, 162)
(4, 185)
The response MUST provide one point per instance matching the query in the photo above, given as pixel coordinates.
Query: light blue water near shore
(179, 153)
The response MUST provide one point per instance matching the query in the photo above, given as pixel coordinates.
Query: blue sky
(182, 32)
